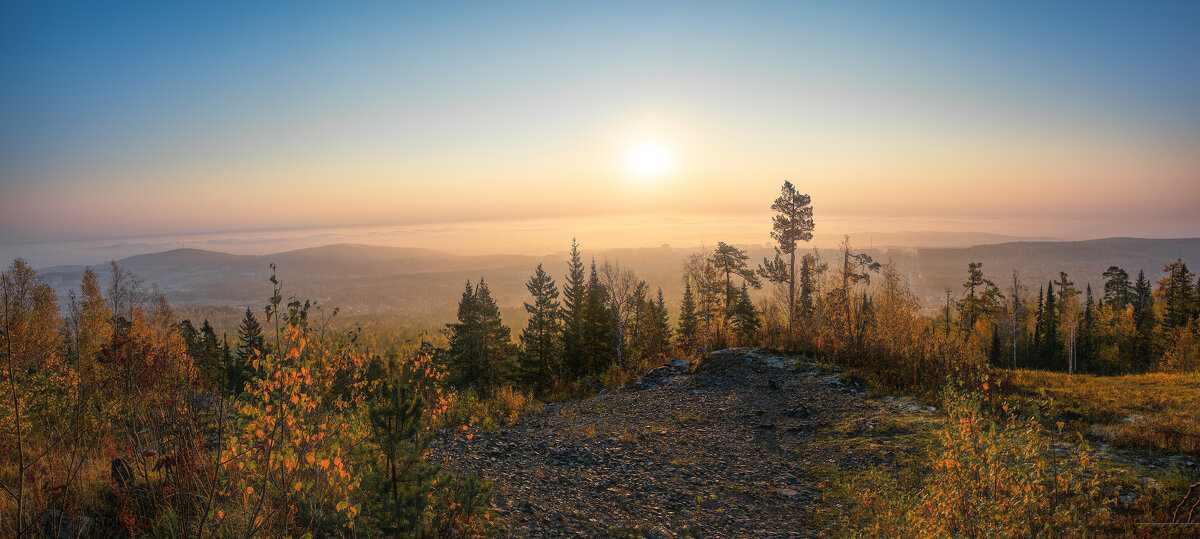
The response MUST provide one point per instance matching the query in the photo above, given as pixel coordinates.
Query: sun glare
(649, 160)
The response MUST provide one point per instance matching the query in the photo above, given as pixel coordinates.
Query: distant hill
(352, 277)
(423, 284)
(937, 269)
(905, 238)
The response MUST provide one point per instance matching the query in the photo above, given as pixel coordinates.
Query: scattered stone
(799, 412)
(645, 466)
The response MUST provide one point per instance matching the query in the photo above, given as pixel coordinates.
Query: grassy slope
(1145, 411)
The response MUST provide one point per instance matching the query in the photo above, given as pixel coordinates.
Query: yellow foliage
(283, 443)
(985, 479)
(1183, 352)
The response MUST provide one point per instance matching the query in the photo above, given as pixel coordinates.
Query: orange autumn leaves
(285, 447)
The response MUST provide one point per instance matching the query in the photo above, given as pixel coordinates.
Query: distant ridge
(428, 283)
(361, 251)
(940, 268)
(1106, 248)
(907, 238)
(184, 255)
(355, 277)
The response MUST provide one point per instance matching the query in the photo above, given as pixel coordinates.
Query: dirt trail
(741, 446)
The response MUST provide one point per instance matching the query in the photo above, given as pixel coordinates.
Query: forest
(119, 418)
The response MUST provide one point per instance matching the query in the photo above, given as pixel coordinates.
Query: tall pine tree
(791, 224)
(1117, 289)
(731, 261)
(980, 297)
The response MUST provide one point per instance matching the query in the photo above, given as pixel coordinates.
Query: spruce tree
(744, 316)
(541, 338)
(807, 283)
(250, 338)
(480, 349)
(1144, 320)
(1141, 299)
(191, 339)
(1178, 299)
(597, 332)
(574, 297)
(406, 480)
(688, 335)
(1087, 333)
(637, 328)
(658, 339)
(209, 360)
(251, 344)
(1035, 345)
(995, 353)
(1050, 345)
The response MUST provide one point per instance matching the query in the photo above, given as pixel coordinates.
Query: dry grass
(1147, 411)
(978, 477)
(465, 408)
(47, 487)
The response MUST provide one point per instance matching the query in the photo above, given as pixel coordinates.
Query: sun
(649, 159)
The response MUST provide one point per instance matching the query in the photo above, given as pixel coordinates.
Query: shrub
(985, 478)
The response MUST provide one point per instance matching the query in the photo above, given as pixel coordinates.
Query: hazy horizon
(538, 237)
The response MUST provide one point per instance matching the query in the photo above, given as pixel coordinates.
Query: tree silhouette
(791, 224)
(480, 344)
(541, 338)
(688, 335)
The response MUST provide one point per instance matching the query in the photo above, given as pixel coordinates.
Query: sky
(638, 122)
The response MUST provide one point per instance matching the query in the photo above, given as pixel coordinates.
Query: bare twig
(1192, 509)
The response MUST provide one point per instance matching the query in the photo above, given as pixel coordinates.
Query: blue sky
(122, 119)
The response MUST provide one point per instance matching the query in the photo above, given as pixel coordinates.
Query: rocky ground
(740, 445)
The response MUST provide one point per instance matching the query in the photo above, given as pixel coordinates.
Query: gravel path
(740, 447)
